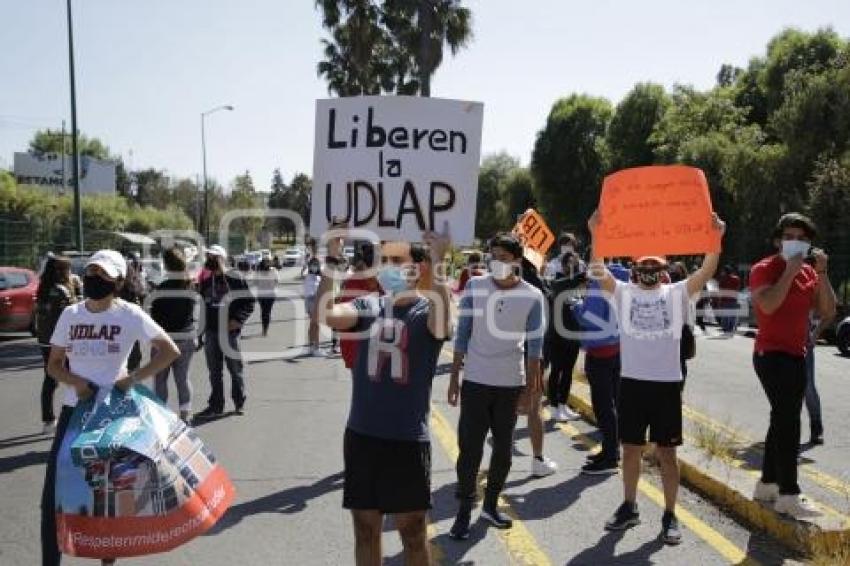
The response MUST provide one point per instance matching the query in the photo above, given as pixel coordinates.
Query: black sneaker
(595, 457)
(627, 516)
(209, 413)
(492, 515)
(460, 529)
(600, 467)
(670, 532)
(240, 407)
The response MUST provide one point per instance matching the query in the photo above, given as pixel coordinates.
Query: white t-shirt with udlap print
(651, 330)
(97, 344)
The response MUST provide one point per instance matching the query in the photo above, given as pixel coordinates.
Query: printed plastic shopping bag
(133, 479)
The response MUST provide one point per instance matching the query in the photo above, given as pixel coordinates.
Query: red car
(17, 299)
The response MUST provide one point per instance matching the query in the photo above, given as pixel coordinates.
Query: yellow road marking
(823, 479)
(518, 540)
(717, 541)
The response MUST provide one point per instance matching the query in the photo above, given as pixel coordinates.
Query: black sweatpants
(603, 375)
(48, 389)
(266, 304)
(563, 359)
(49, 546)
(783, 378)
(485, 408)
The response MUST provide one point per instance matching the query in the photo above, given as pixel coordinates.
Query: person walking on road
(785, 289)
(601, 342)
(172, 307)
(310, 288)
(387, 448)
(532, 405)
(812, 397)
(729, 285)
(225, 316)
(563, 343)
(266, 280)
(499, 313)
(651, 316)
(55, 292)
(89, 350)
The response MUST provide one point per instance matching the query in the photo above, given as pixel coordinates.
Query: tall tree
(494, 173)
(390, 45)
(519, 193)
(51, 141)
(633, 124)
(424, 28)
(570, 159)
(243, 196)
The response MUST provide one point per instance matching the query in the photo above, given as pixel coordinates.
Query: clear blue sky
(146, 69)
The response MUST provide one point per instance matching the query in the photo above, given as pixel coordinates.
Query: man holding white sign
(396, 166)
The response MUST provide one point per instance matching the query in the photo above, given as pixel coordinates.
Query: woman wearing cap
(95, 338)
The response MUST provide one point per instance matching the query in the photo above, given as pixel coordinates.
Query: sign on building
(55, 171)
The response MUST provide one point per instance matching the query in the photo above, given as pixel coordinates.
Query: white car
(292, 256)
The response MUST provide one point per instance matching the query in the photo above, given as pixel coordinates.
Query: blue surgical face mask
(391, 279)
(791, 248)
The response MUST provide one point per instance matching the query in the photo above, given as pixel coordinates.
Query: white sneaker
(797, 506)
(49, 428)
(766, 492)
(563, 414)
(543, 468)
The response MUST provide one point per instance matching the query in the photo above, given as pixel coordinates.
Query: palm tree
(389, 46)
(424, 28)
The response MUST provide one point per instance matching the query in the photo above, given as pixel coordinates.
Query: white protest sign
(396, 165)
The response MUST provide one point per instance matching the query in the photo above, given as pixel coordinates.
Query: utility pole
(75, 163)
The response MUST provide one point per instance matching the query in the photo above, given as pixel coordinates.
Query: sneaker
(625, 517)
(670, 532)
(600, 467)
(49, 427)
(460, 528)
(209, 413)
(186, 417)
(239, 407)
(797, 506)
(766, 492)
(595, 457)
(492, 515)
(563, 414)
(541, 468)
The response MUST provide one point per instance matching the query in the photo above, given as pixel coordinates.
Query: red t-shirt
(353, 288)
(787, 329)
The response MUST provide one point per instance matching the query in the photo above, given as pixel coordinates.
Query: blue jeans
(812, 396)
(216, 360)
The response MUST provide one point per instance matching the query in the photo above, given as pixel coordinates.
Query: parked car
(842, 336)
(18, 288)
(292, 256)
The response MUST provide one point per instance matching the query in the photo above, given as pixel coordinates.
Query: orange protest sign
(534, 232)
(657, 210)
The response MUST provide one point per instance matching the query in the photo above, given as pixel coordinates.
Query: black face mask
(211, 264)
(649, 278)
(95, 287)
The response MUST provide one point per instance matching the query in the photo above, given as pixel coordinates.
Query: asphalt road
(285, 458)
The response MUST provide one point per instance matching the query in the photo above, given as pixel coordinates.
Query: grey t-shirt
(392, 375)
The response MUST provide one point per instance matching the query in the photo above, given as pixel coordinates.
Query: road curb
(731, 493)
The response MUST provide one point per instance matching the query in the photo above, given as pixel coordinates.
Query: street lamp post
(75, 163)
(206, 184)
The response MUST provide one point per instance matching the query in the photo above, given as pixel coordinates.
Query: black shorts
(656, 405)
(391, 476)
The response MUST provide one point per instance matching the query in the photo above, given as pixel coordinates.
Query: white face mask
(791, 248)
(501, 270)
(567, 249)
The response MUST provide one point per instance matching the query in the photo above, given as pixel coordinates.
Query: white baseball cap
(110, 261)
(217, 250)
